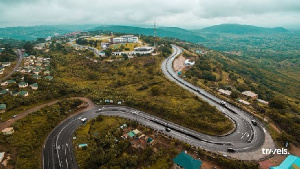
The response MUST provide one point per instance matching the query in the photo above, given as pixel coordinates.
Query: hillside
(241, 29)
(172, 32)
(34, 32)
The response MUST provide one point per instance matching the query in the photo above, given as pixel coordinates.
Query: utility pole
(154, 34)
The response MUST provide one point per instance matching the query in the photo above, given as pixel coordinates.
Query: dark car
(231, 150)
(254, 122)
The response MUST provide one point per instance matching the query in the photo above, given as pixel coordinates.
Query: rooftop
(186, 161)
(291, 162)
(2, 106)
(249, 93)
(8, 129)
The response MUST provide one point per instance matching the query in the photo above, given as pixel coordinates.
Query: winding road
(247, 138)
(20, 54)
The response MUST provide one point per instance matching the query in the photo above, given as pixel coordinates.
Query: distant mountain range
(240, 29)
(194, 36)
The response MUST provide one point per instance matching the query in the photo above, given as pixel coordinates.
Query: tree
(278, 103)
(28, 47)
(155, 90)
(108, 52)
(125, 56)
(234, 94)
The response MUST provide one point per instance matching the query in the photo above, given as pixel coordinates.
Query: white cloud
(182, 13)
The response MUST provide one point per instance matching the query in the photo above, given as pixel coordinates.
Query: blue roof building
(186, 161)
(291, 162)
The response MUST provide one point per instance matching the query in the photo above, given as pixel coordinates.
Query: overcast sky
(180, 13)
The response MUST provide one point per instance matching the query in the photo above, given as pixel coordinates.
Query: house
(23, 93)
(262, 101)
(1, 68)
(225, 92)
(4, 83)
(131, 134)
(34, 86)
(36, 76)
(5, 64)
(244, 102)
(291, 162)
(149, 140)
(123, 126)
(188, 63)
(136, 131)
(250, 94)
(8, 131)
(11, 81)
(138, 143)
(36, 71)
(47, 72)
(22, 84)
(185, 161)
(2, 156)
(2, 108)
(3, 91)
(80, 146)
(49, 78)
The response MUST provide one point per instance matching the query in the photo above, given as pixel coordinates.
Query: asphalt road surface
(58, 149)
(20, 54)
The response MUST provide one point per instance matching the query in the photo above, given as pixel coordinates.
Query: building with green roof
(23, 93)
(2, 108)
(291, 162)
(48, 77)
(22, 84)
(11, 81)
(4, 91)
(131, 134)
(36, 76)
(34, 86)
(183, 160)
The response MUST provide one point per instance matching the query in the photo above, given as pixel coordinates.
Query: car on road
(168, 129)
(230, 150)
(83, 120)
(14, 116)
(254, 122)
(100, 109)
(223, 103)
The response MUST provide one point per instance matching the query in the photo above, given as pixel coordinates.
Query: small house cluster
(137, 138)
(37, 67)
(4, 158)
(248, 95)
(3, 65)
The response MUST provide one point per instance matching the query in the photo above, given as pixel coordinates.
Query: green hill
(241, 29)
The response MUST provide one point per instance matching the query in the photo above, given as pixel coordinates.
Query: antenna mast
(154, 34)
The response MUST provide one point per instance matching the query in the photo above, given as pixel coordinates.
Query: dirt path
(26, 112)
(178, 63)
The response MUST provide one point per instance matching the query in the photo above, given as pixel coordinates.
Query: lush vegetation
(106, 148)
(139, 83)
(214, 70)
(25, 145)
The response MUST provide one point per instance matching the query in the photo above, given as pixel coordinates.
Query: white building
(125, 39)
(137, 50)
(262, 101)
(225, 92)
(8, 131)
(250, 94)
(244, 102)
(188, 63)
